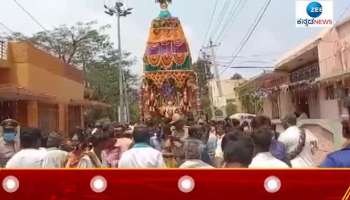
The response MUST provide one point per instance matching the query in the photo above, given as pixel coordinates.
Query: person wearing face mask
(9, 140)
(30, 156)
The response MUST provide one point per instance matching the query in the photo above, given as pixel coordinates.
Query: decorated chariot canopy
(167, 47)
(170, 84)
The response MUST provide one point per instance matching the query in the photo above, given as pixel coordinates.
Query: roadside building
(39, 90)
(315, 78)
(334, 56)
(260, 95)
(301, 92)
(319, 75)
(229, 95)
(316, 82)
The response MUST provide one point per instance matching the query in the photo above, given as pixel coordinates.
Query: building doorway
(302, 105)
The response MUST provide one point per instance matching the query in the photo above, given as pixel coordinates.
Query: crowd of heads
(226, 143)
(238, 145)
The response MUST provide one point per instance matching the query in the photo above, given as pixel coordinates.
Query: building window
(308, 72)
(3, 49)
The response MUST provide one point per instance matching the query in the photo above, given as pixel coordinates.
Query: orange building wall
(40, 72)
(19, 74)
(42, 81)
(4, 76)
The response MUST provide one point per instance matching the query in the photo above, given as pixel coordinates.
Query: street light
(118, 11)
(119, 4)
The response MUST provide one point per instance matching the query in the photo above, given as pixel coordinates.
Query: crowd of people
(177, 143)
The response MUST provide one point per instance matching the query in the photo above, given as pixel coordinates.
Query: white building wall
(228, 92)
(314, 105)
(334, 56)
(329, 109)
(286, 104)
(334, 51)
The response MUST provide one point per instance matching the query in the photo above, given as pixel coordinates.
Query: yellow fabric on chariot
(166, 61)
(164, 33)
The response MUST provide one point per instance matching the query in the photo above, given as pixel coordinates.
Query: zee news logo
(314, 13)
(314, 9)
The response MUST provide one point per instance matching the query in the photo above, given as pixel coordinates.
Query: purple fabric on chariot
(166, 48)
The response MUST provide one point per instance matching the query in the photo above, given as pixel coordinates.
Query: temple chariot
(169, 84)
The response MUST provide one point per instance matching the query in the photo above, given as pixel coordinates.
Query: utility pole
(201, 76)
(210, 90)
(212, 47)
(118, 11)
(121, 110)
(126, 95)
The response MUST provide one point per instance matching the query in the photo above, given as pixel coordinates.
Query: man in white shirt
(212, 143)
(219, 155)
(30, 156)
(55, 158)
(263, 158)
(300, 143)
(141, 155)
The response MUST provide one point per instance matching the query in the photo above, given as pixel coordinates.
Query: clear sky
(275, 35)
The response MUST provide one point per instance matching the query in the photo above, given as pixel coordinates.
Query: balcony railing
(3, 49)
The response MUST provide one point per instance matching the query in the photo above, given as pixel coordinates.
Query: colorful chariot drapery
(180, 77)
(167, 48)
(170, 84)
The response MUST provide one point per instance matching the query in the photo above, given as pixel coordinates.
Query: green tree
(231, 109)
(236, 76)
(251, 103)
(78, 45)
(90, 49)
(103, 78)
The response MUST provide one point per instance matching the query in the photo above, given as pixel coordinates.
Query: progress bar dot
(186, 184)
(98, 184)
(10, 184)
(272, 184)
